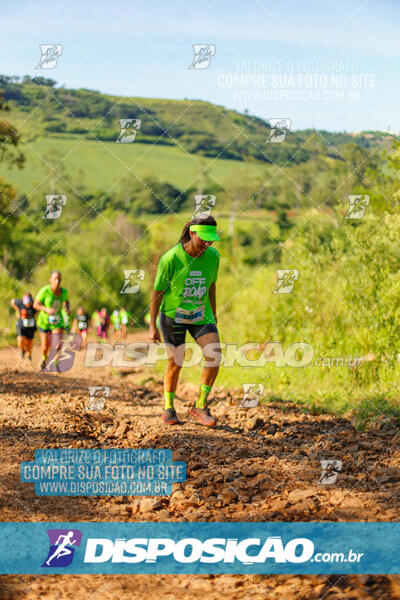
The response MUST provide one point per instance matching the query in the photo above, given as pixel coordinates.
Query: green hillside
(183, 147)
(82, 159)
(40, 108)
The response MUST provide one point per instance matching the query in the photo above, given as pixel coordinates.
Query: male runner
(50, 301)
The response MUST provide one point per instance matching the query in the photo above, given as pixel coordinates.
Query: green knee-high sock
(169, 399)
(203, 395)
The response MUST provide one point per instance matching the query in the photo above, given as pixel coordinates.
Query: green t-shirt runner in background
(116, 319)
(49, 300)
(186, 281)
(124, 314)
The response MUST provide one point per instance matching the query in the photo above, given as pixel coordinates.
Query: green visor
(208, 233)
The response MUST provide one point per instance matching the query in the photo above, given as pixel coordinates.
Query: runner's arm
(74, 325)
(39, 306)
(15, 307)
(213, 300)
(66, 305)
(155, 303)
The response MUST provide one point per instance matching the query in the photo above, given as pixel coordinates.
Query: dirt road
(260, 464)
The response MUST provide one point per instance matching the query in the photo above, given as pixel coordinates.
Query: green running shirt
(47, 297)
(124, 314)
(116, 320)
(186, 281)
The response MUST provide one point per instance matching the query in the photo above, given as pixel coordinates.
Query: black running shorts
(27, 332)
(175, 333)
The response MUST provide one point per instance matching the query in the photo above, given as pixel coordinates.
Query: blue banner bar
(208, 548)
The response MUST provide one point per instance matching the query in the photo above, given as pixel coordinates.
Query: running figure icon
(62, 549)
(63, 543)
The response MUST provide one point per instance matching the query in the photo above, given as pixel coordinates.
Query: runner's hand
(51, 311)
(154, 334)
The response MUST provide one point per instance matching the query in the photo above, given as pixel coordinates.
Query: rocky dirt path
(260, 464)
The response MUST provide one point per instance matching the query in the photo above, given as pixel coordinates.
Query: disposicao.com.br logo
(212, 550)
(190, 550)
(249, 551)
(199, 547)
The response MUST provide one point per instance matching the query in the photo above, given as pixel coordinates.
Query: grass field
(167, 163)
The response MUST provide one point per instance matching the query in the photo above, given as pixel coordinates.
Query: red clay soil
(260, 464)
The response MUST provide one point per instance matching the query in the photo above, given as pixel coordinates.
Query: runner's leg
(209, 343)
(173, 335)
(20, 342)
(44, 346)
(84, 338)
(29, 345)
(56, 344)
(171, 377)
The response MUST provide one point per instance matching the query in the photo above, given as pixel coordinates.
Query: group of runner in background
(118, 319)
(50, 313)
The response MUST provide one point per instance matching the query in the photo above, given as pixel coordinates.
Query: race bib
(53, 319)
(28, 322)
(82, 325)
(124, 321)
(183, 315)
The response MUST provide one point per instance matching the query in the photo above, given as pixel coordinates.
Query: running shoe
(42, 365)
(170, 417)
(203, 415)
(22, 354)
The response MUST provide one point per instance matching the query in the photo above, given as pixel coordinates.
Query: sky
(329, 64)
